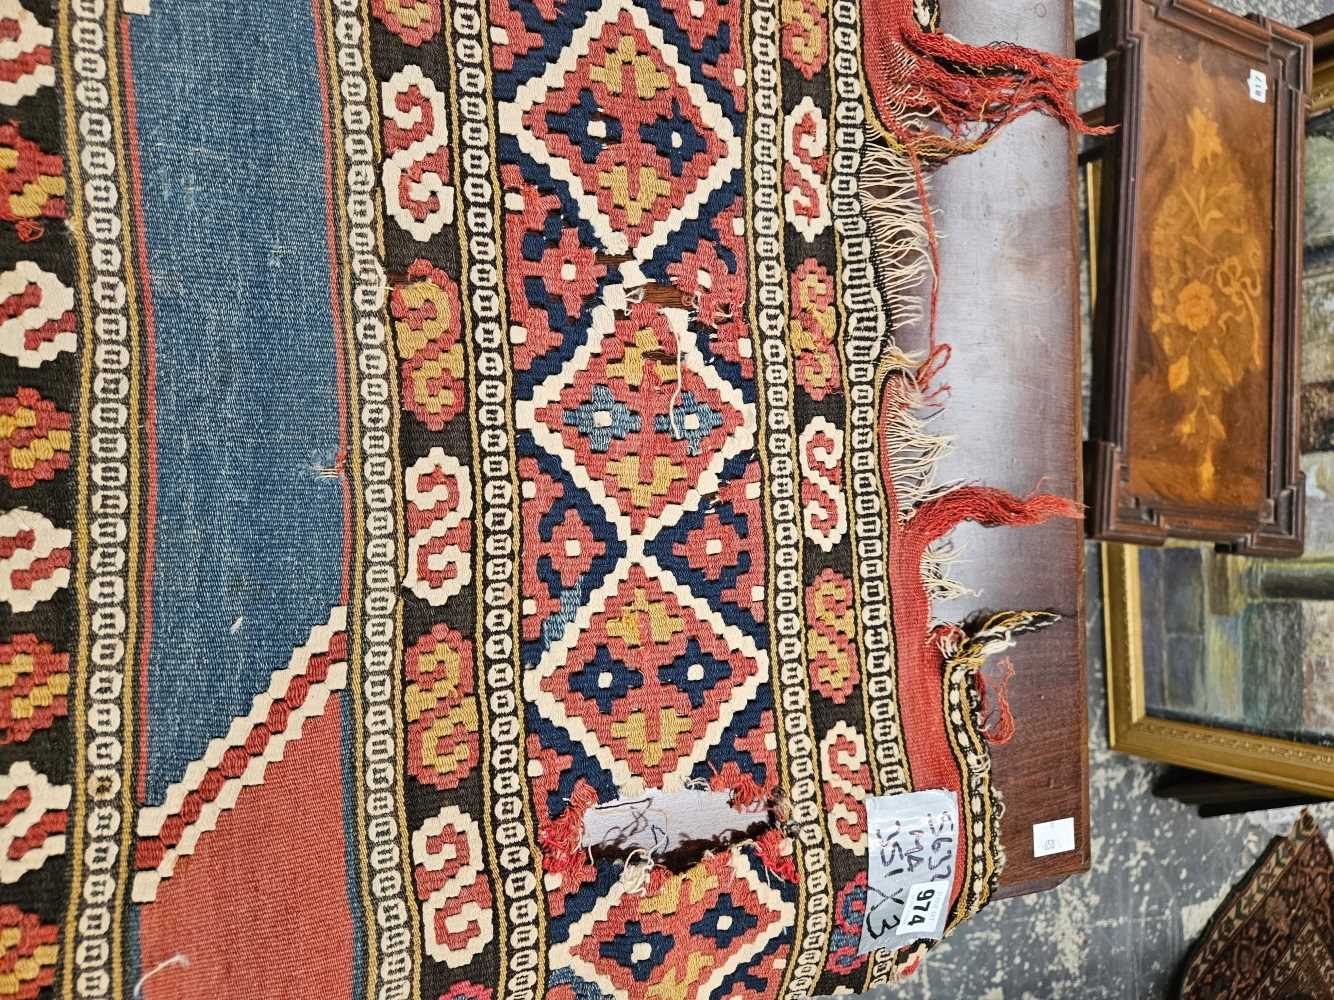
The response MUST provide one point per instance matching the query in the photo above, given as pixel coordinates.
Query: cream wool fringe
(903, 268)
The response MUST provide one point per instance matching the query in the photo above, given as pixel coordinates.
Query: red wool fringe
(938, 97)
(921, 663)
(989, 507)
(562, 837)
(745, 791)
(998, 730)
(769, 846)
(968, 91)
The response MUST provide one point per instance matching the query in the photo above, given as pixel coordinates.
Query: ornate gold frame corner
(1322, 78)
(1302, 767)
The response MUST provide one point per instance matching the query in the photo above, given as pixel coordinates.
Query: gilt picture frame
(1133, 728)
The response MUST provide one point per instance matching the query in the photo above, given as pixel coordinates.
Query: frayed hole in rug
(673, 829)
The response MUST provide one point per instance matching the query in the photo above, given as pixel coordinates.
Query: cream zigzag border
(152, 818)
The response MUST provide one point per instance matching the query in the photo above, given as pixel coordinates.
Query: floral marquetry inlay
(1206, 267)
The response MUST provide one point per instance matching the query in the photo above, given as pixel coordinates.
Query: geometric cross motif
(718, 550)
(569, 548)
(682, 936)
(619, 120)
(647, 678)
(714, 30)
(554, 278)
(639, 419)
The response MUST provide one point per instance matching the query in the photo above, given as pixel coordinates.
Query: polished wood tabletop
(1009, 304)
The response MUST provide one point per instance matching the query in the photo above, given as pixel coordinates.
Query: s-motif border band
(373, 624)
(865, 339)
(100, 230)
(522, 974)
(774, 372)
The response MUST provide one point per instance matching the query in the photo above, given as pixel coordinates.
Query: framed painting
(1226, 664)
(1212, 666)
(1193, 418)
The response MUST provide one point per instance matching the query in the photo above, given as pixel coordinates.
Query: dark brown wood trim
(1115, 512)
(1087, 47)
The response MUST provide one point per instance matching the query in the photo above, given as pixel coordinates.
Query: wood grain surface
(1195, 436)
(1200, 403)
(1009, 303)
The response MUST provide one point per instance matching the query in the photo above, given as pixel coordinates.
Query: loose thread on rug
(744, 792)
(639, 870)
(562, 837)
(175, 960)
(994, 705)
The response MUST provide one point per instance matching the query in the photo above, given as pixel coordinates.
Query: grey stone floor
(1119, 932)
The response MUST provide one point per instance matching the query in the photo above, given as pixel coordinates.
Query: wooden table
(1009, 306)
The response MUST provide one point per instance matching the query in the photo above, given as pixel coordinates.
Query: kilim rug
(1273, 937)
(428, 427)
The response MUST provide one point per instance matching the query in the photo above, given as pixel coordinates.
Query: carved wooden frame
(1115, 513)
(1304, 767)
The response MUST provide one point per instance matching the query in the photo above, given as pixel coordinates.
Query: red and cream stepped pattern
(214, 784)
(38, 337)
(36, 315)
(537, 421)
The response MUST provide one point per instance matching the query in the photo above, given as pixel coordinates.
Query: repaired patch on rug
(466, 528)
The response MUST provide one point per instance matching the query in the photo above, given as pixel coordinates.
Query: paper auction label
(913, 841)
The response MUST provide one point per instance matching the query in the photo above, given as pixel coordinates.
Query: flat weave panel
(423, 422)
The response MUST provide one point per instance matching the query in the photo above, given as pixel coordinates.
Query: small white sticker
(1258, 84)
(1055, 837)
(921, 908)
